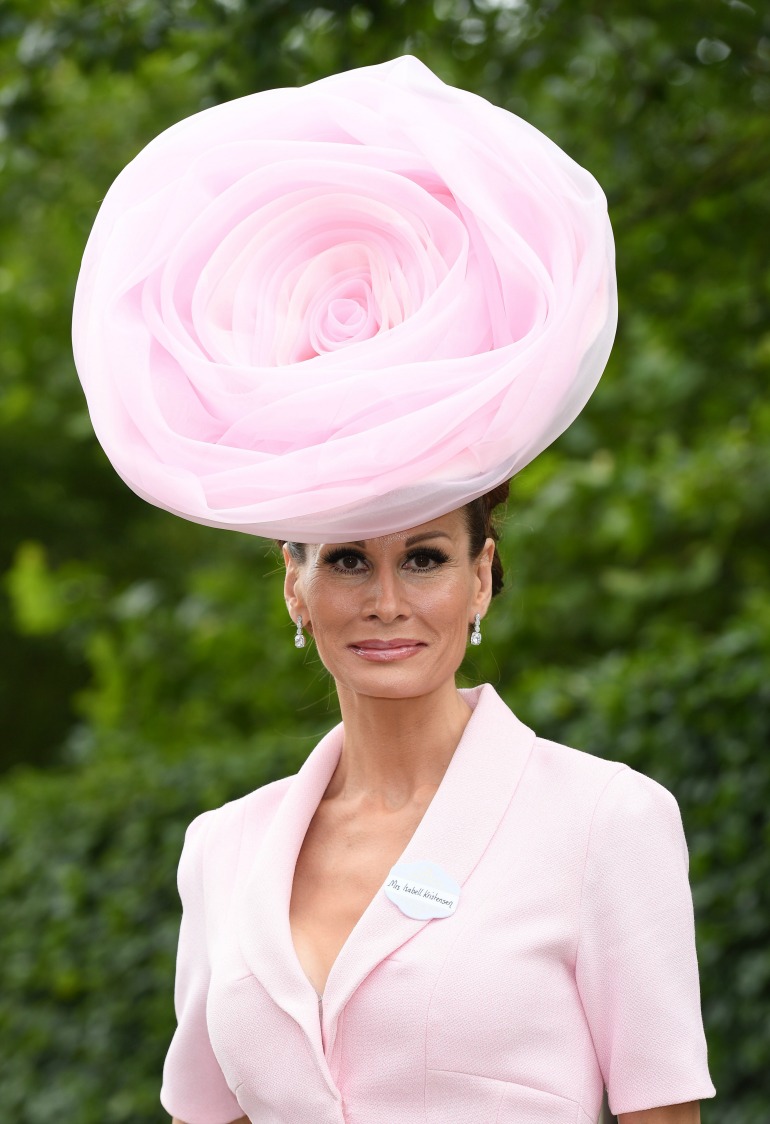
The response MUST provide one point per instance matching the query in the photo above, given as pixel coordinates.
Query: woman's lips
(386, 651)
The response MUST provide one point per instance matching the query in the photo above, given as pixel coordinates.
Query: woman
(441, 917)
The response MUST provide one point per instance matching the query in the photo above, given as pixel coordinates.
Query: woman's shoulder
(571, 762)
(607, 784)
(577, 781)
(229, 820)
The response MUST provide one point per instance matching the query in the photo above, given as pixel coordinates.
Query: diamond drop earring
(476, 634)
(299, 637)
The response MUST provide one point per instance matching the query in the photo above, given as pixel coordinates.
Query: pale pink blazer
(569, 963)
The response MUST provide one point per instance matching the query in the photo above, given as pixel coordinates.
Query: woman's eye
(343, 560)
(426, 559)
(349, 561)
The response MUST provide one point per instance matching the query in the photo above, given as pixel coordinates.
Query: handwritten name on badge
(422, 890)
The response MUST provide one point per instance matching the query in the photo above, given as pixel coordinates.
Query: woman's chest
(341, 866)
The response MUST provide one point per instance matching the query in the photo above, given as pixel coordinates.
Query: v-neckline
(367, 907)
(446, 835)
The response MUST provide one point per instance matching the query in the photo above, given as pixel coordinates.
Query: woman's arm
(671, 1114)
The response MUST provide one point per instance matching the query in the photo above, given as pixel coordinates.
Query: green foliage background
(148, 669)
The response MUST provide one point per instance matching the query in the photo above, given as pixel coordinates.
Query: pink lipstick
(386, 651)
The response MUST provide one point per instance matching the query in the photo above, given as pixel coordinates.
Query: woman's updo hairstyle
(479, 515)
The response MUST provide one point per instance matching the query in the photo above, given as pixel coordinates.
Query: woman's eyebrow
(426, 535)
(407, 542)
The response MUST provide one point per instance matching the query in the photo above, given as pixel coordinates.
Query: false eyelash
(339, 553)
(432, 552)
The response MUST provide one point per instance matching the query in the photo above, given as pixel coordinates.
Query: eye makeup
(432, 552)
(337, 554)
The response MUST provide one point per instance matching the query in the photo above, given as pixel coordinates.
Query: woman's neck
(396, 751)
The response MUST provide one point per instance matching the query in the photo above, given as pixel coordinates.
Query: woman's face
(390, 615)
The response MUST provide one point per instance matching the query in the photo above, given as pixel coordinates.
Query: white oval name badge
(422, 890)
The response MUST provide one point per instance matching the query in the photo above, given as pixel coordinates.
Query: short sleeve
(194, 1088)
(636, 966)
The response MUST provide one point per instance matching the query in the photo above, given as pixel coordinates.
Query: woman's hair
(479, 520)
(481, 526)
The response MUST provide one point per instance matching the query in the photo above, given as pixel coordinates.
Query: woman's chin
(403, 679)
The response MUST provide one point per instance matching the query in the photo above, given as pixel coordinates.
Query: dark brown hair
(479, 515)
(480, 524)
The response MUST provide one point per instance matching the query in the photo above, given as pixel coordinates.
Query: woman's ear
(483, 575)
(291, 593)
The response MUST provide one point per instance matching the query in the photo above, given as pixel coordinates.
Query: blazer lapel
(454, 832)
(263, 919)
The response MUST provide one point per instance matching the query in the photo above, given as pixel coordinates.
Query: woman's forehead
(447, 526)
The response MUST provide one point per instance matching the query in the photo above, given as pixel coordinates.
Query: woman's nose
(386, 597)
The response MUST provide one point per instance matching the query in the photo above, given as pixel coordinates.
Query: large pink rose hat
(339, 310)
